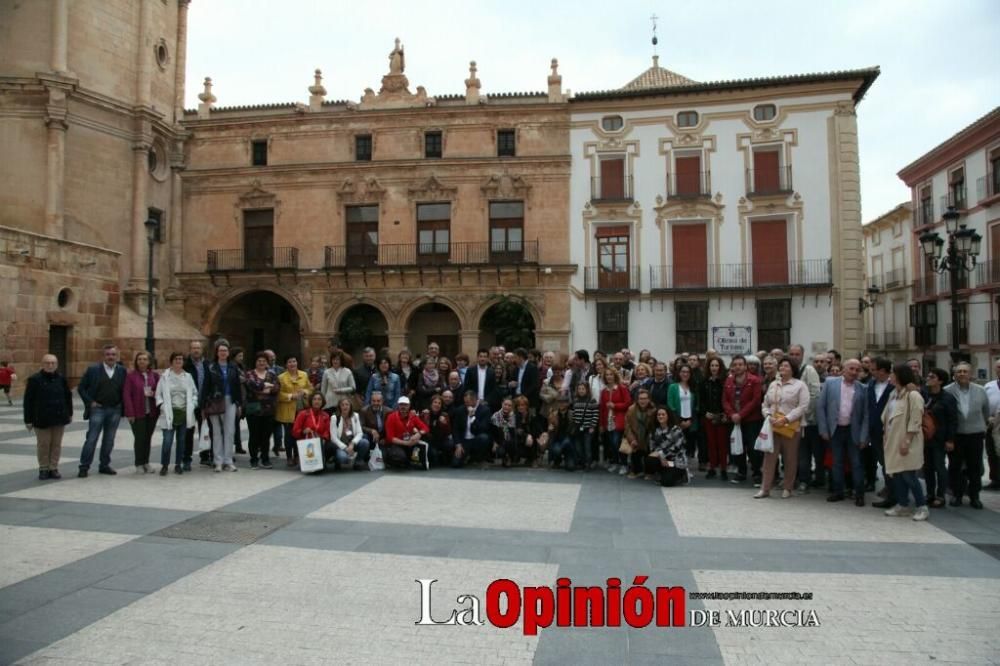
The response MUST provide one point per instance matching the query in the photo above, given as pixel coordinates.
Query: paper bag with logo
(375, 461)
(310, 454)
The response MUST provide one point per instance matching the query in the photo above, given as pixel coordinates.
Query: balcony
(895, 278)
(279, 258)
(955, 197)
(963, 333)
(925, 213)
(600, 279)
(987, 186)
(992, 336)
(618, 190)
(748, 276)
(769, 182)
(429, 254)
(696, 185)
(988, 274)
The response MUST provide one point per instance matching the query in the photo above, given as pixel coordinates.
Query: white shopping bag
(765, 440)
(375, 462)
(736, 441)
(310, 454)
(205, 440)
(426, 447)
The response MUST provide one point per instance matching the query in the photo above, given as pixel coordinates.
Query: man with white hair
(965, 460)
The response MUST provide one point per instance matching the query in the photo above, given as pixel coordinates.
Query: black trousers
(261, 426)
(142, 430)
(192, 432)
(756, 458)
(965, 465)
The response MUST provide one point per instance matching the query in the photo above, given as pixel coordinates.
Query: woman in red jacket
(314, 422)
(741, 400)
(140, 407)
(615, 401)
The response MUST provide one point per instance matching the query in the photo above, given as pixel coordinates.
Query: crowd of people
(770, 419)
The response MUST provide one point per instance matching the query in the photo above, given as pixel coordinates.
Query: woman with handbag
(640, 420)
(221, 400)
(785, 404)
(942, 411)
(442, 447)
(713, 418)
(338, 382)
(347, 436)
(614, 403)
(262, 391)
(682, 401)
(294, 390)
(140, 407)
(904, 443)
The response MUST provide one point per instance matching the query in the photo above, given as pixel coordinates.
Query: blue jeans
(935, 469)
(169, 436)
(477, 449)
(906, 484)
(581, 447)
(361, 449)
(811, 451)
(561, 452)
(842, 446)
(104, 423)
(612, 440)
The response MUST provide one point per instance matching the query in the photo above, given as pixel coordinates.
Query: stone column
(55, 164)
(397, 340)
(180, 62)
(144, 57)
(176, 228)
(60, 32)
(140, 162)
(468, 341)
(847, 239)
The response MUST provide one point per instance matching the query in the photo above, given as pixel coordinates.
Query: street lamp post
(152, 228)
(963, 248)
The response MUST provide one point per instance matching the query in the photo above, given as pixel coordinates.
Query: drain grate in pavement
(224, 527)
(991, 549)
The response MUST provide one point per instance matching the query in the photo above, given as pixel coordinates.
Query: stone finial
(555, 83)
(317, 92)
(207, 99)
(472, 85)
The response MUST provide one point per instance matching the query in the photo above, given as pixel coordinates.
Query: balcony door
(362, 236)
(613, 178)
(766, 174)
(688, 175)
(613, 258)
(690, 248)
(769, 240)
(258, 239)
(433, 233)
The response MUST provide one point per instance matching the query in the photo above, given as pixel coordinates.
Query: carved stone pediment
(370, 190)
(689, 208)
(505, 186)
(395, 92)
(256, 197)
(433, 189)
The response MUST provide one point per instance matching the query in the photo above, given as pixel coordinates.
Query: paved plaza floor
(275, 567)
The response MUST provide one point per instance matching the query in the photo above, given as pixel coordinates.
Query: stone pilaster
(60, 35)
(847, 240)
(55, 163)
(180, 62)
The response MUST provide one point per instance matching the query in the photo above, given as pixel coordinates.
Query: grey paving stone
(500, 552)
(671, 642)
(317, 541)
(19, 517)
(405, 546)
(586, 645)
(13, 649)
(65, 615)
(634, 560)
(27, 595)
(153, 575)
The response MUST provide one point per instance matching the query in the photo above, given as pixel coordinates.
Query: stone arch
(369, 327)
(406, 312)
(476, 316)
(225, 300)
(433, 319)
(341, 308)
(257, 319)
(512, 330)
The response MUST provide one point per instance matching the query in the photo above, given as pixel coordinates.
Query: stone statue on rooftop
(397, 59)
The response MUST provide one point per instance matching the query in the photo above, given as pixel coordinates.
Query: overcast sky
(939, 72)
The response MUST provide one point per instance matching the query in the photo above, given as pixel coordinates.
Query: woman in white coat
(176, 396)
(348, 439)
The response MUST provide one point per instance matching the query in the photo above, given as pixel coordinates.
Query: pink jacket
(134, 407)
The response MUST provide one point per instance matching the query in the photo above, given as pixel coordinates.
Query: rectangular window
(690, 248)
(993, 175)
(923, 319)
(258, 150)
(363, 148)
(766, 172)
(926, 207)
(691, 326)
(432, 144)
(433, 233)
(258, 238)
(505, 143)
(506, 232)
(613, 258)
(612, 326)
(774, 323)
(362, 235)
(688, 182)
(612, 180)
(769, 245)
(956, 188)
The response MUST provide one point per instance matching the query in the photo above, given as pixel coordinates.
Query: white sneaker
(761, 495)
(922, 513)
(899, 511)
(622, 470)
(785, 494)
(613, 468)
(230, 468)
(218, 468)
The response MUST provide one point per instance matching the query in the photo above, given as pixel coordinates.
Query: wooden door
(766, 177)
(613, 179)
(769, 241)
(690, 249)
(258, 239)
(688, 176)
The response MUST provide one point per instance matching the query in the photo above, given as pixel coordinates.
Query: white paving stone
(878, 620)
(200, 490)
(508, 504)
(28, 551)
(12, 462)
(330, 607)
(723, 512)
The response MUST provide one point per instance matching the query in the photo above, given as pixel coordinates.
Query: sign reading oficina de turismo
(731, 340)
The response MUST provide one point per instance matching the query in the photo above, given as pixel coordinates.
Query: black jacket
(47, 400)
(459, 417)
(215, 388)
(710, 396)
(190, 369)
(491, 392)
(531, 383)
(944, 408)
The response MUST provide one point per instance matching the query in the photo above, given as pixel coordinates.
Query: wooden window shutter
(688, 175)
(769, 239)
(613, 179)
(690, 243)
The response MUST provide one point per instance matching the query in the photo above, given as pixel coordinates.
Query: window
(774, 323)
(612, 326)
(993, 176)
(767, 173)
(956, 188)
(763, 112)
(687, 118)
(162, 54)
(258, 238)
(433, 232)
(613, 258)
(506, 231)
(362, 235)
(505, 143)
(611, 184)
(769, 245)
(612, 123)
(926, 207)
(923, 319)
(258, 150)
(688, 176)
(690, 249)
(363, 148)
(692, 326)
(432, 144)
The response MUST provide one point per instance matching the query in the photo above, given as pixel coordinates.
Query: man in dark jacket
(48, 408)
(879, 390)
(482, 380)
(525, 380)
(197, 366)
(470, 430)
(102, 390)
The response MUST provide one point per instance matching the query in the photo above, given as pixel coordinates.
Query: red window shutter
(690, 244)
(613, 179)
(688, 175)
(769, 239)
(765, 172)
